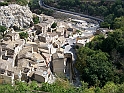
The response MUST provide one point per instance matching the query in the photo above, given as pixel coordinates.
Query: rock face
(15, 16)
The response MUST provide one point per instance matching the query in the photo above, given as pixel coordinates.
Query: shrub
(54, 25)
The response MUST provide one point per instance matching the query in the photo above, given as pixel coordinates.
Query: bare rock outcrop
(16, 16)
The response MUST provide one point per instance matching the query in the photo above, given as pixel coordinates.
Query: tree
(23, 35)
(120, 88)
(110, 87)
(2, 30)
(33, 4)
(91, 10)
(118, 22)
(68, 2)
(104, 25)
(96, 43)
(102, 10)
(35, 8)
(117, 7)
(36, 19)
(3, 4)
(109, 18)
(60, 87)
(112, 41)
(120, 12)
(54, 25)
(83, 7)
(94, 66)
(20, 2)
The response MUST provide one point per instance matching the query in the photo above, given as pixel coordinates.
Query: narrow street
(72, 73)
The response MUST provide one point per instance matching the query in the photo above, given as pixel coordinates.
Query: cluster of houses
(41, 55)
(36, 58)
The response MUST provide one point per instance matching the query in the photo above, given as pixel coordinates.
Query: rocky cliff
(15, 16)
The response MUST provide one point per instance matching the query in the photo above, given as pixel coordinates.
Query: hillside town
(48, 52)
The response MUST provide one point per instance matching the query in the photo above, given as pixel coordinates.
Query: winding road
(42, 4)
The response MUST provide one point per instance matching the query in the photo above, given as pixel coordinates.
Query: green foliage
(69, 2)
(23, 35)
(104, 25)
(22, 86)
(120, 88)
(113, 44)
(36, 19)
(59, 87)
(118, 22)
(20, 2)
(109, 18)
(33, 85)
(110, 87)
(112, 41)
(54, 25)
(3, 4)
(84, 85)
(19, 87)
(78, 31)
(94, 66)
(34, 6)
(96, 43)
(2, 30)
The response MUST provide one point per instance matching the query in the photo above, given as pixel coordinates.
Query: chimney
(1, 52)
(20, 75)
(12, 79)
(32, 50)
(6, 70)
(5, 52)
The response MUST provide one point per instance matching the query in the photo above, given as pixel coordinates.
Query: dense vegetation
(36, 19)
(23, 35)
(35, 8)
(3, 3)
(102, 9)
(2, 31)
(102, 59)
(60, 86)
(95, 67)
(20, 2)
